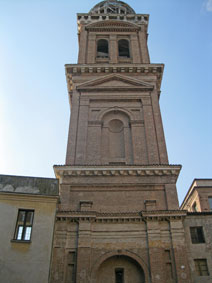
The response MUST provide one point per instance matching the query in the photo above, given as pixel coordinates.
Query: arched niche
(116, 139)
(125, 265)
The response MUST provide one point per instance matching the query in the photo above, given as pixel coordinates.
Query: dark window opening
(119, 273)
(194, 207)
(124, 50)
(201, 267)
(23, 229)
(197, 235)
(210, 202)
(102, 48)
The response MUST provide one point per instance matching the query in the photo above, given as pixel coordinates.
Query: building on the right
(198, 229)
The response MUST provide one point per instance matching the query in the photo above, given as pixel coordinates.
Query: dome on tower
(112, 7)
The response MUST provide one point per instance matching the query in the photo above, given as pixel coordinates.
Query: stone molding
(158, 170)
(127, 217)
(113, 68)
(131, 83)
(11, 196)
(138, 19)
(144, 69)
(112, 26)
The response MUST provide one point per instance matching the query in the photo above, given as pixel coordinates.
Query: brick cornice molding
(114, 68)
(118, 217)
(137, 19)
(158, 170)
(122, 68)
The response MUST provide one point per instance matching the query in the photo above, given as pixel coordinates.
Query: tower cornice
(109, 170)
(102, 69)
(139, 19)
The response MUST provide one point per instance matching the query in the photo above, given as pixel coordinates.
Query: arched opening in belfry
(120, 269)
(102, 48)
(124, 48)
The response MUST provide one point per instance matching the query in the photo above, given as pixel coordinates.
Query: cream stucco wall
(26, 262)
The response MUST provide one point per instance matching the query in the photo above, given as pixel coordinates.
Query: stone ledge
(134, 217)
(87, 18)
(114, 68)
(169, 170)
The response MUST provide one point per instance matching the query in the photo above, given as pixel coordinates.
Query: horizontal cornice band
(160, 170)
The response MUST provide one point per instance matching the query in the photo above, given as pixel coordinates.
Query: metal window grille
(197, 235)
(201, 267)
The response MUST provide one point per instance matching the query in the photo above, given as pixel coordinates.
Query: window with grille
(201, 267)
(197, 235)
(119, 275)
(23, 229)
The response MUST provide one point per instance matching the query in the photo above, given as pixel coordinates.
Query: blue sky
(39, 36)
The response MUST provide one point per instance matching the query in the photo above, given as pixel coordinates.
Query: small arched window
(102, 48)
(124, 49)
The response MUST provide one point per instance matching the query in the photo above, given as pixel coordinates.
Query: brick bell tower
(118, 220)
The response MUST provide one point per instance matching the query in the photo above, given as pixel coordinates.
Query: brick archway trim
(129, 254)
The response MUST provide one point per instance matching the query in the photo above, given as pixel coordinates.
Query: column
(82, 131)
(156, 259)
(171, 197)
(151, 139)
(82, 46)
(113, 49)
(159, 128)
(72, 136)
(143, 46)
(139, 143)
(83, 252)
(180, 251)
(91, 54)
(135, 48)
(94, 143)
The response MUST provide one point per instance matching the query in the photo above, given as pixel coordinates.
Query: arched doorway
(120, 269)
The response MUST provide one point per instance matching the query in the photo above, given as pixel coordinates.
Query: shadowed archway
(117, 269)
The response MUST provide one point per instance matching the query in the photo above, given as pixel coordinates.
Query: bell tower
(114, 91)
(117, 176)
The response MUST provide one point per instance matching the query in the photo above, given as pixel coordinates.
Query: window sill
(198, 243)
(103, 59)
(125, 60)
(21, 241)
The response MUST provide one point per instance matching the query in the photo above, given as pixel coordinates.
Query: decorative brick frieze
(139, 19)
(127, 217)
(170, 170)
(125, 68)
